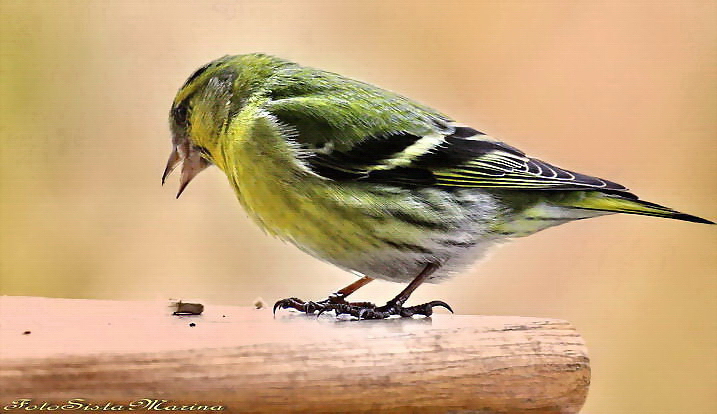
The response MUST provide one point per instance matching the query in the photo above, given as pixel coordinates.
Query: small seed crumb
(259, 303)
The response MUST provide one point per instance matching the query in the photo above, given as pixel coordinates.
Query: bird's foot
(332, 303)
(393, 308)
(361, 310)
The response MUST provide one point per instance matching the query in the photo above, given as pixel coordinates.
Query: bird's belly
(390, 234)
(403, 266)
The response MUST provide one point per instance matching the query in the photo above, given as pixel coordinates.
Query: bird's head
(206, 105)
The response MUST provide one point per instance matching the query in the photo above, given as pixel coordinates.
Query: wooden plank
(250, 362)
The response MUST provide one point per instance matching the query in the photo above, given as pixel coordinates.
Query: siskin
(369, 180)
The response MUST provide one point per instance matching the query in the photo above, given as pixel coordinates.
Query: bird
(371, 181)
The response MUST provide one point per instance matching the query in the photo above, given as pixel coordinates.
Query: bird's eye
(180, 114)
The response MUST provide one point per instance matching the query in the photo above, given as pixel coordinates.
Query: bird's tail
(620, 204)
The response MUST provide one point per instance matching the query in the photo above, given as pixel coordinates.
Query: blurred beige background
(626, 91)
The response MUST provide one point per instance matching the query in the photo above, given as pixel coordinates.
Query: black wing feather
(464, 157)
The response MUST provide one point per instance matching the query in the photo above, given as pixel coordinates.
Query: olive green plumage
(367, 179)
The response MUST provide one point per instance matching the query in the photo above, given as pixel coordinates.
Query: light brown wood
(249, 362)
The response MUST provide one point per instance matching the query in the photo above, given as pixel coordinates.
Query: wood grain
(249, 362)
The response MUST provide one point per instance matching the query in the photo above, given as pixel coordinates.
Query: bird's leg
(335, 299)
(342, 293)
(367, 310)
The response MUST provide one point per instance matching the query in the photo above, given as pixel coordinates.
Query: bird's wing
(461, 158)
(361, 133)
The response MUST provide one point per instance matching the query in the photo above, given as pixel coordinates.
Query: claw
(286, 303)
(276, 306)
(441, 304)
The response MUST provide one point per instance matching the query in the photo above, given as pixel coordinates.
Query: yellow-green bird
(369, 180)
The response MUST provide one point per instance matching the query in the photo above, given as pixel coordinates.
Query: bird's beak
(192, 164)
(171, 164)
